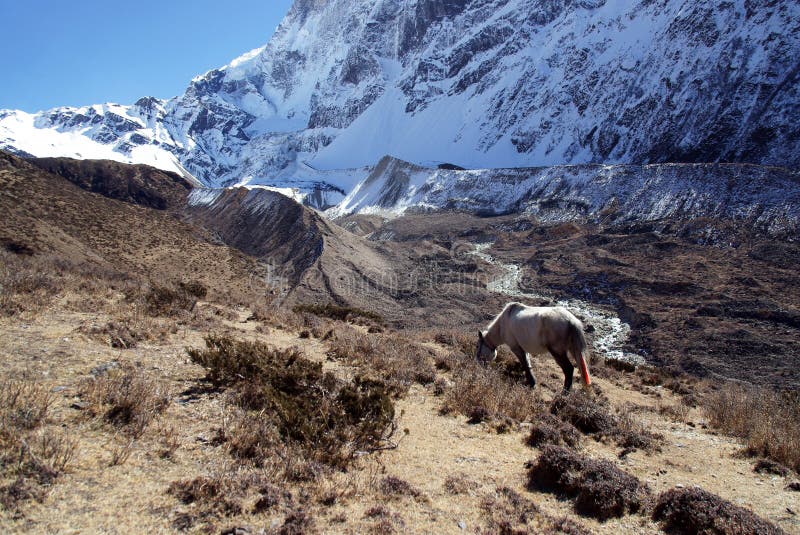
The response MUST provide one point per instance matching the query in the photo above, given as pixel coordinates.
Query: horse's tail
(577, 347)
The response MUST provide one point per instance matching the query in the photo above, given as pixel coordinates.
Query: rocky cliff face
(763, 198)
(478, 83)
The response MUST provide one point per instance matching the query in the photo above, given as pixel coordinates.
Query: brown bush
(340, 313)
(590, 414)
(210, 497)
(768, 421)
(298, 522)
(195, 289)
(392, 486)
(23, 406)
(463, 343)
(459, 484)
(695, 511)
(601, 490)
(166, 301)
(27, 284)
(116, 333)
(278, 316)
(631, 434)
(506, 511)
(288, 400)
(126, 397)
(768, 466)
(551, 430)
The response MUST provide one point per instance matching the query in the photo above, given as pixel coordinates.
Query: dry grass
(695, 511)
(32, 455)
(486, 393)
(30, 284)
(767, 421)
(459, 341)
(600, 489)
(395, 359)
(125, 397)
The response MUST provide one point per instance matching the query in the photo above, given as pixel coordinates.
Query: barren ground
(131, 497)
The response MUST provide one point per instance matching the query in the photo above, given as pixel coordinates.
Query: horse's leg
(523, 359)
(566, 367)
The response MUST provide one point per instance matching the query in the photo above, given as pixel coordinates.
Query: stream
(610, 332)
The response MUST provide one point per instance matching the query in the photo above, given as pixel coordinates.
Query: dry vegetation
(32, 453)
(125, 397)
(694, 511)
(768, 421)
(300, 426)
(600, 489)
(286, 400)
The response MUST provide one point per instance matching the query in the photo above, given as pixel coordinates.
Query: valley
(110, 274)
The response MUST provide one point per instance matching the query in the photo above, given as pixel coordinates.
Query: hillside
(190, 458)
(235, 361)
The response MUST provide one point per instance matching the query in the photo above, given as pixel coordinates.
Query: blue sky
(72, 53)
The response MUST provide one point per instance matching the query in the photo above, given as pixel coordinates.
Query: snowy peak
(479, 83)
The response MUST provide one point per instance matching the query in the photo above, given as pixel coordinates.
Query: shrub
(341, 313)
(507, 511)
(229, 361)
(631, 434)
(551, 430)
(768, 422)
(195, 289)
(209, 497)
(395, 359)
(394, 486)
(695, 511)
(165, 301)
(459, 484)
(287, 399)
(601, 490)
(589, 414)
(126, 398)
(117, 334)
(23, 406)
(768, 466)
(463, 343)
(297, 522)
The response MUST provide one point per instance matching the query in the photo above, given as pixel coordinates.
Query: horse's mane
(510, 307)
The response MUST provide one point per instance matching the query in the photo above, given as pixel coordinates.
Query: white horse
(532, 331)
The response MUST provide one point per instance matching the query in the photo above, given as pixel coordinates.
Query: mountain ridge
(489, 83)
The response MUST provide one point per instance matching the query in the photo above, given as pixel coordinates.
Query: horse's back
(536, 327)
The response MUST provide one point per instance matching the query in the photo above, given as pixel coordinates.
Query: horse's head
(485, 353)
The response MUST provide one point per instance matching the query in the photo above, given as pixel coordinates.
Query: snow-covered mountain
(763, 198)
(477, 83)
